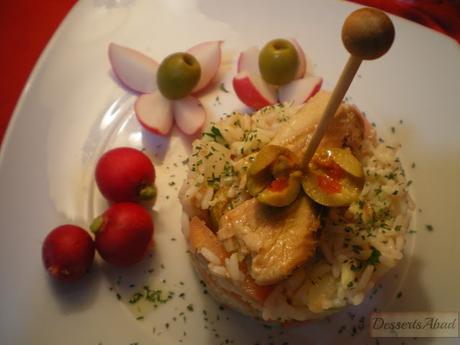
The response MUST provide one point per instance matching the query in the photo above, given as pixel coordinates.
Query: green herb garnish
(222, 88)
(214, 133)
(374, 258)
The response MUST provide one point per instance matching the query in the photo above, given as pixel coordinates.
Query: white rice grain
(218, 270)
(207, 198)
(210, 256)
(231, 264)
(357, 298)
(365, 277)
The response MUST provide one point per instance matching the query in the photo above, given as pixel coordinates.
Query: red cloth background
(440, 15)
(25, 28)
(27, 25)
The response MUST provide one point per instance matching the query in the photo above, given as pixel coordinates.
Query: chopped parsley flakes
(155, 297)
(222, 88)
(374, 258)
(214, 133)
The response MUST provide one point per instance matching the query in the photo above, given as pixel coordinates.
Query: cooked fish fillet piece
(277, 240)
(346, 128)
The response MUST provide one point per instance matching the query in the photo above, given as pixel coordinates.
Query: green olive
(266, 156)
(347, 161)
(273, 177)
(278, 62)
(177, 75)
(282, 166)
(271, 162)
(334, 177)
(283, 196)
(349, 192)
(257, 183)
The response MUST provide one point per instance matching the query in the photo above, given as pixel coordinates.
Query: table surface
(27, 25)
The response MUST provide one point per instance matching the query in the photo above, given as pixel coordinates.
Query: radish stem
(96, 225)
(148, 192)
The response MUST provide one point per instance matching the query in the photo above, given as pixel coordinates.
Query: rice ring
(356, 245)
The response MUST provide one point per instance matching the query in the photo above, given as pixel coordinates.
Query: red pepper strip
(278, 184)
(334, 171)
(329, 184)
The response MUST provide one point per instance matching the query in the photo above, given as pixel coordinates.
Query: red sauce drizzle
(278, 184)
(329, 184)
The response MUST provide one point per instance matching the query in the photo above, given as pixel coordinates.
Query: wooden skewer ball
(367, 34)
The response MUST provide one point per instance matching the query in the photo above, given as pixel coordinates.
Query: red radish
(125, 174)
(124, 233)
(302, 69)
(208, 55)
(154, 112)
(68, 252)
(248, 61)
(300, 90)
(253, 91)
(136, 70)
(189, 115)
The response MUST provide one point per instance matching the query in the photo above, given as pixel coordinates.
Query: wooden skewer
(367, 34)
(340, 89)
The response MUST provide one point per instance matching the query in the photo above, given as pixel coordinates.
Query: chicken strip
(277, 240)
(346, 128)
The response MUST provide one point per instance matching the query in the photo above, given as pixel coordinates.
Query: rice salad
(353, 247)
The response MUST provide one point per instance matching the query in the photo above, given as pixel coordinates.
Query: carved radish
(189, 115)
(134, 69)
(154, 112)
(249, 60)
(302, 69)
(208, 55)
(253, 91)
(300, 90)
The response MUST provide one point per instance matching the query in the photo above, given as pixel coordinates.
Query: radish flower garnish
(168, 89)
(278, 73)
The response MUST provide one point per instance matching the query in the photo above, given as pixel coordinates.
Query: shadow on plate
(156, 145)
(77, 296)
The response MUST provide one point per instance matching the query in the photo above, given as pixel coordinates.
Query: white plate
(72, 110)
